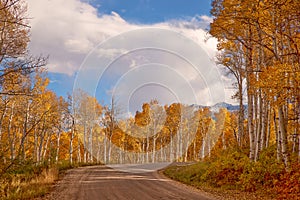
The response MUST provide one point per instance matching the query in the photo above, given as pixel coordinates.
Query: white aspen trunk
(186, 147)
(109, 151)
(259, 127)
(71, 142)
(10, 135)
(180, 143)
(91, 145)
(154, 148)
(251, 127)
(84, 143)
(161, 149)
(278, 138)
(249, 63)
(35, 153)
(79, 152)
(171, 149)
(283, 134)
(203, 149)
(104, 149)
(143, 151)
(147, 147)
(265, 126)
(268, 128)
(209, 145)
(45, 148)
(120, 156)
(177, 144)
(58, 146)
(295, 140)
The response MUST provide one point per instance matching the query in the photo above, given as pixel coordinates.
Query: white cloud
(68, 30)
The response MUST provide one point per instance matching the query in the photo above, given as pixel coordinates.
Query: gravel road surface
(102, 182)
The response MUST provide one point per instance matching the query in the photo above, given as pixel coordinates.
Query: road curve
(101, 182)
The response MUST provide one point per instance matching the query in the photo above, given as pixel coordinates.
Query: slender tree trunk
(251, 127)
(241, 113)
(10, 135)
(58, 146)
(104, 149)
(283, 134)
(154, 148)
(278, 138)
(25, 131)
(109, 150)
(147, 146)
(259, 133)
(78, 151)
(71, 141)
(268, 131)
(203, 148)
(84, 143)
(171, 148)
(91, 145)
(45, 148)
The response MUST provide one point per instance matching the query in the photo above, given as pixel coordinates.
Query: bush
(232, 169)
(262, 174)
(288, 184)
(226, 169)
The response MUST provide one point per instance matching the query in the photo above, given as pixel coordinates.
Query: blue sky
(153, 11)
(75, 28)
(136, 12)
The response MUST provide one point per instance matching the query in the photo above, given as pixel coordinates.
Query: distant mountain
(229, 107)
(215, 108)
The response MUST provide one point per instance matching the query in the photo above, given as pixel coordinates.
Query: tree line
(258, 41)
(37, 126)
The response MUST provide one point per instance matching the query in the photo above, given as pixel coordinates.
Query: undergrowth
(232, 169)
(30, 181)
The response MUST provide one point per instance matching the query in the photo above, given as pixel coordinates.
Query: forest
(259, 46)
(254, 148)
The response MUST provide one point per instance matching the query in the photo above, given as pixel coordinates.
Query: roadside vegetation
(259, 45)
(231, 174)
(29, 181)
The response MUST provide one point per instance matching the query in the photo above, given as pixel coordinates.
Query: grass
(195, 175)
(27, 185)
(231, 175)
(29, 182)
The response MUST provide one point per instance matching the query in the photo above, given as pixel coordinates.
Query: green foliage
(262, 174)
(189, 174)
(225, 170)
(232, 169)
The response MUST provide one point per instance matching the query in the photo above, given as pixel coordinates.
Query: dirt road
(101, 182)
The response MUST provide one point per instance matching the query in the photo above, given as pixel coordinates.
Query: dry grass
(27, 186)
(33, 182)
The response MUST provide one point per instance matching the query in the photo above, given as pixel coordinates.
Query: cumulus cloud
(72, 33)
(68, 30)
